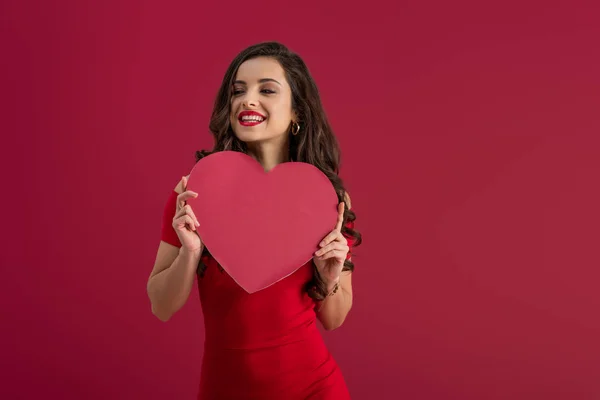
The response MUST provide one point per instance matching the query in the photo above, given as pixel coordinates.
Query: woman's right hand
(185, 222)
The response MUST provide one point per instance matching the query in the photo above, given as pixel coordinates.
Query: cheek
(233, 105)
(281, 112)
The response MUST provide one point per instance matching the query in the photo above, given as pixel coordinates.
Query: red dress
(264, 345)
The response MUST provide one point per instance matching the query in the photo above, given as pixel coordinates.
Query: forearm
(170, 289)
(332, 311)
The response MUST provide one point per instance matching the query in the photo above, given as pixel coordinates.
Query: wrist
(190, 254)
(331, 285)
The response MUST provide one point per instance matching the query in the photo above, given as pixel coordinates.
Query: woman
(264, 345)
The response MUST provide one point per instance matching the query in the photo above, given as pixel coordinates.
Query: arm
(332, 311)
(170, 282)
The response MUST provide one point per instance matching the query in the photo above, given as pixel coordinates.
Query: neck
(269, 154)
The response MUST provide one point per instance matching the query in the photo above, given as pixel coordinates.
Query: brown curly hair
(315, 144)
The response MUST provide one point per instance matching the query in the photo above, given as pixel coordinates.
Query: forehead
(251, 71)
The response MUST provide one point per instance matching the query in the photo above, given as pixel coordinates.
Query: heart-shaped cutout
(261, 226)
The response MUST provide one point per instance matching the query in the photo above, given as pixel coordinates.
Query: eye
(235, 92)
(268, 91)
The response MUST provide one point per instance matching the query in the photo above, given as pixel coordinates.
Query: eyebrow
(263, 80)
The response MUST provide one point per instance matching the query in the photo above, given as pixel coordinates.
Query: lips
(251, 118)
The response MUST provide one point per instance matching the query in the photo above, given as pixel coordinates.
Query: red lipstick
(255, 118)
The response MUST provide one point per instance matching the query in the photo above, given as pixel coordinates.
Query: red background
(470, 145)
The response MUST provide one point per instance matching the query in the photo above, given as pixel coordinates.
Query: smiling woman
(261, 107)
(261, 98)
(266, 344)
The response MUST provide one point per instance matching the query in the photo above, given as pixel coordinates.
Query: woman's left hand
(330, 258)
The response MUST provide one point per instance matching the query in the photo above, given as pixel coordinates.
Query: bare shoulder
(347, 200)
(179, 187)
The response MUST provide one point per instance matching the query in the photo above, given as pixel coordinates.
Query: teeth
(252, 118)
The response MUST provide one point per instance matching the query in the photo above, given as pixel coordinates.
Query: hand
(330, 258)
(185, 222)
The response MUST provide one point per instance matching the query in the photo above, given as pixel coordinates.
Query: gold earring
(295, 128)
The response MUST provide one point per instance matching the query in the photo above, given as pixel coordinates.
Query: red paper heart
(261, 227)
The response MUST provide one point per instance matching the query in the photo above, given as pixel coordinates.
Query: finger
(184, 221)
(333, 235)
(187, 210)
(188, 194)
(190, 212)
(340, 220)
(332, 246)
(337, 254)
(183, 197)
(189, 223)
(329, 238)
(181, 212)
(184, 186)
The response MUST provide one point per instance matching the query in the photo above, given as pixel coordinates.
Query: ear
(347, 200)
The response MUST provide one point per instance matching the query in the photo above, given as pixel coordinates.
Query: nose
(249, 101)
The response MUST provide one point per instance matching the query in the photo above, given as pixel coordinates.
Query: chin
(251, 134)
(249, 137)
(254, 134)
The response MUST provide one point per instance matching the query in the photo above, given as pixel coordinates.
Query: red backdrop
(470, 149)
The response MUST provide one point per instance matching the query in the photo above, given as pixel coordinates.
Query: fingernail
(197, 223)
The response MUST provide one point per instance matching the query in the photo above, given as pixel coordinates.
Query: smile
(251, 118)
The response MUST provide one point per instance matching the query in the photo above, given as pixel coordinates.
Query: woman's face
(261, 102)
